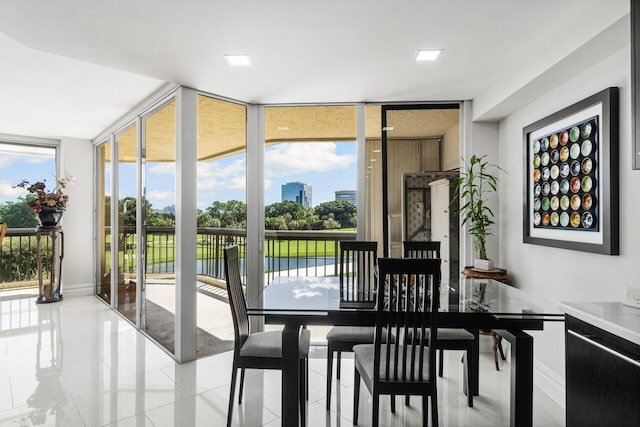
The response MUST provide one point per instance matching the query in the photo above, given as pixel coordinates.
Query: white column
(255, 208)
(186, 221)
(361, 169)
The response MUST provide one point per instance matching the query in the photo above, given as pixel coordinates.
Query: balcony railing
(301, 253)
(18, 258)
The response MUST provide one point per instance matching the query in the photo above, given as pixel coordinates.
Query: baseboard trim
(552, 384)
(77, 290)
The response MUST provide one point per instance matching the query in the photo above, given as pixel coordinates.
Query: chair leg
(495, 351)
(241, 386)
(434, 405)
(406, 399)
(499, 340)
(306, 373)
(375, 417)
(393, 403)
(356, 396)
(441, 363)
(467, 375)
(434, 408)
(329, 375)
(302, 398)
(338, 365)
(425, 411)
(234, 374)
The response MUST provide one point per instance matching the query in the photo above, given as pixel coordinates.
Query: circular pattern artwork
(564, 176)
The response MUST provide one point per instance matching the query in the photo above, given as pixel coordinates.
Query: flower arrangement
(40, 198)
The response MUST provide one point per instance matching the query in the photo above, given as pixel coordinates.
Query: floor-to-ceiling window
(158, 223)
(419, 156)
(311, 166)
(103, 280)
(125, 270)
(310, 191)
(222, 214)
(31, 163)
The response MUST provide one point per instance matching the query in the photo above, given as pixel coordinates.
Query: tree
(330, 223)
(287, 207)
(275, 223)
(343, 212)
(206, 220)
(18, 215)
(160, 219)
(231, 214)
(127, 211)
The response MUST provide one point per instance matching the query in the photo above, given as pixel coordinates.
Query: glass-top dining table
(473, 305)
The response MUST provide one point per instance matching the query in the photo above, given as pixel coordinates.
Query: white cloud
(214, 176)
(6, 160)
(36, 160)
(8, 192)
(299, 157)
(160, 195)
(163, 168)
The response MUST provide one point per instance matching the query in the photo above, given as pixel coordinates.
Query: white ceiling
(69, 68)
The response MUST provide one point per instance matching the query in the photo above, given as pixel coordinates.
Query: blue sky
(326, 166)
(32, 164)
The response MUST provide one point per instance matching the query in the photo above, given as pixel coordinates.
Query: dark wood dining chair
(258, 350)
(407, 307)
(358, 263)
(448, 339)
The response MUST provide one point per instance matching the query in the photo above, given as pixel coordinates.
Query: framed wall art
(571, 177)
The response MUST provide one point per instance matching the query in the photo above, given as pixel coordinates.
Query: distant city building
(298, 192)
(348, 195)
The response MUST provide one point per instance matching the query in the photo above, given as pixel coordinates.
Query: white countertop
(613, 317)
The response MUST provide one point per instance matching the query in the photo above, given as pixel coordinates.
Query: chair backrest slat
(407, 305)
(358, 263)
(237, 300)
(421, 249)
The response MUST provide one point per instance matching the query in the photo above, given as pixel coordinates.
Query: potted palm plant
(477, 180)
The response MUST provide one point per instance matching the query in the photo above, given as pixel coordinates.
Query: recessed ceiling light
(428, 54)
(283, 127)
(372, 160)
(377, 151)
(238, 60)
(387, 128)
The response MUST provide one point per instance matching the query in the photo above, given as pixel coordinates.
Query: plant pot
(49, 217)
(483, 264)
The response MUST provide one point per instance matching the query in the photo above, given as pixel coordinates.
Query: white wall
(451, 148)
(480, 139)
(558, 274)
(76, 159)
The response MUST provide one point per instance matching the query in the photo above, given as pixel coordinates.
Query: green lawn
(162, 250)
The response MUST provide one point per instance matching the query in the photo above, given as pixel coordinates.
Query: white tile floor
(77, 363)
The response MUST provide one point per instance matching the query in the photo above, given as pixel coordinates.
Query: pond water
(209, 267)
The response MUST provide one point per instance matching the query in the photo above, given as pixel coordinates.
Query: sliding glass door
(420, 155)
(127, 246)
(222, 215)
(310, 190)
(103, 282)
(157, 223)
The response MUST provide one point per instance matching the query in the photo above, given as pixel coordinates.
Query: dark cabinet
(603, 377)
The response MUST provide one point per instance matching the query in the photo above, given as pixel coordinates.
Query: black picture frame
(591, 224)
